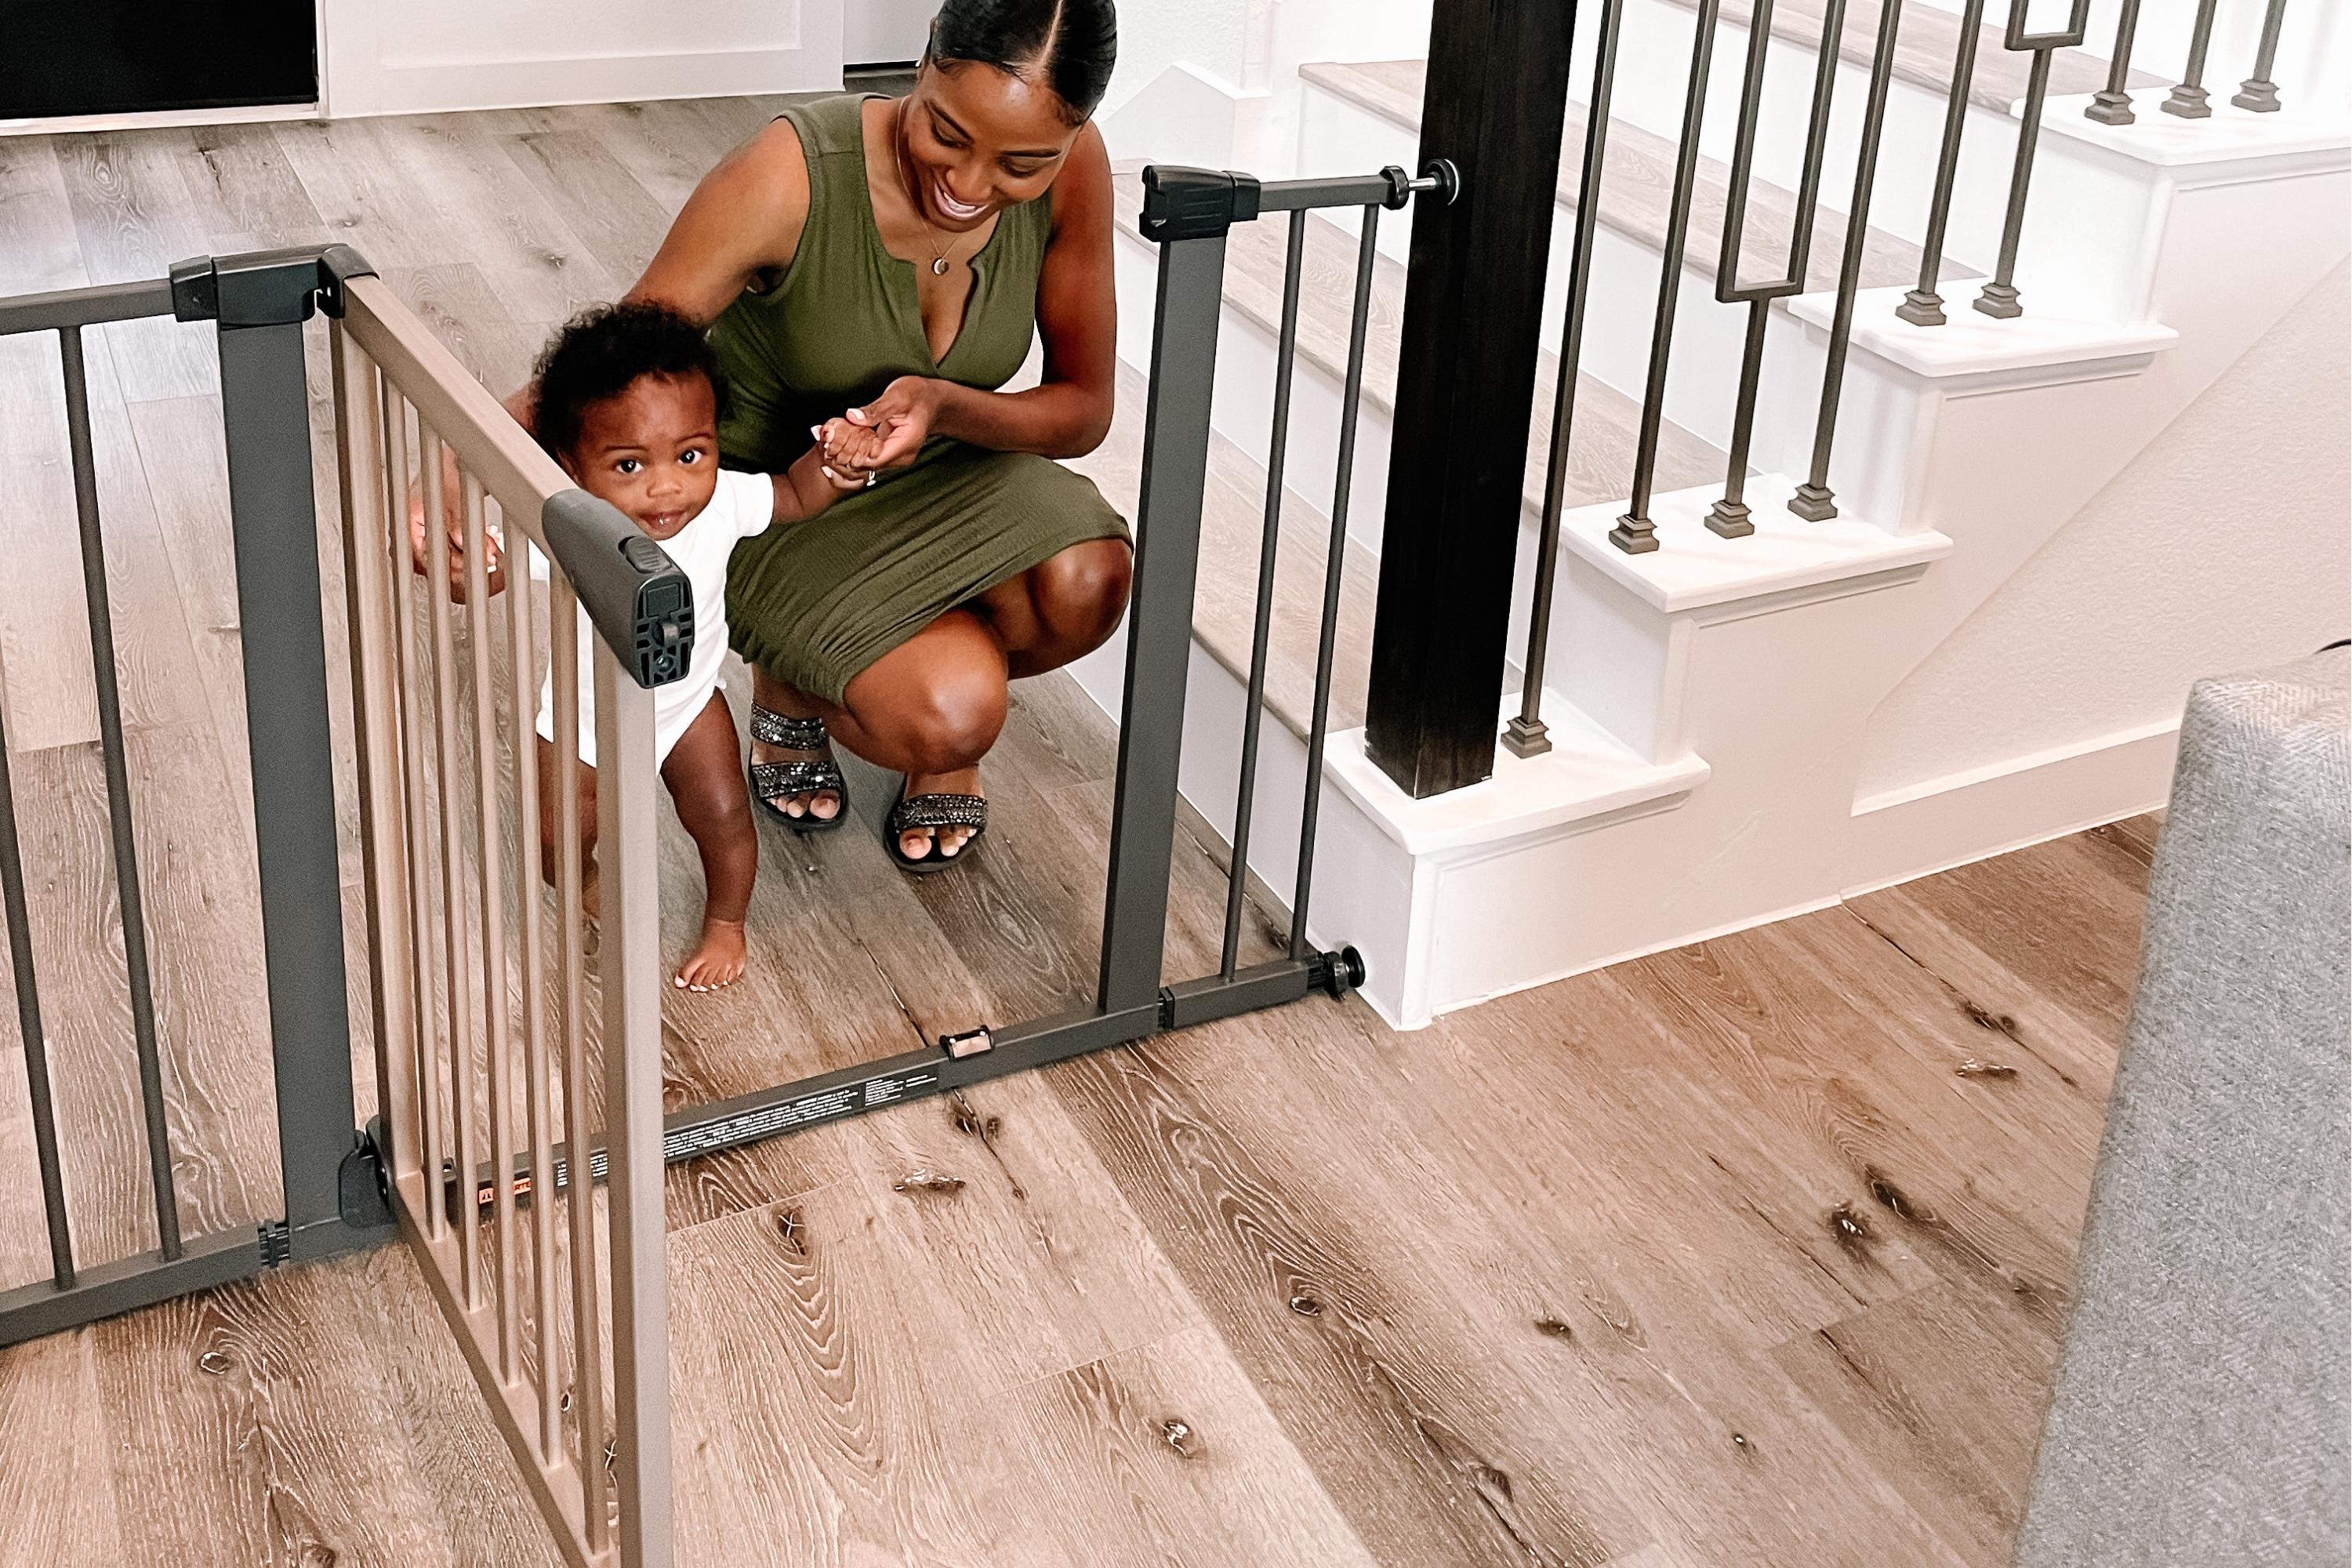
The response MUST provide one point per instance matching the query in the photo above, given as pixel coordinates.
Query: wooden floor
(1749, 1254)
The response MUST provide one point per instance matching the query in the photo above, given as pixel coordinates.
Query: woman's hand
(901, 417)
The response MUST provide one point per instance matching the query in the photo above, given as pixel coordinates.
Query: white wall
(2225, 545)
(415, 56)
(1153, 35)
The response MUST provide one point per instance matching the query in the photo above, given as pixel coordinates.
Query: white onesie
(742, 505)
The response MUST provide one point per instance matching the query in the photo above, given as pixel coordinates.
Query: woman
(887, 260)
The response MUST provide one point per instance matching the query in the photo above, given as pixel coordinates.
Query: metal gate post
(1188, 212)
(260, 302)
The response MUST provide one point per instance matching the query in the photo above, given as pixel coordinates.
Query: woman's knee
(939, 716)
(1082, 591)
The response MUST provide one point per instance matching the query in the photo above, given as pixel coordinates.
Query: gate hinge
(277, 1243)
(361, 1193)
(265, 287)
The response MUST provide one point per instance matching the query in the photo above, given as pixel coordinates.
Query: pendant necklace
(905, 178)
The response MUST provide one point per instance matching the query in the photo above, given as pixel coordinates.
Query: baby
(628, 403)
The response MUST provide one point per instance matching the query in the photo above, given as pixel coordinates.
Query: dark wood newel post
(1497, 93)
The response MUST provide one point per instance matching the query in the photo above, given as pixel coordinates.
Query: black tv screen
(120, 57)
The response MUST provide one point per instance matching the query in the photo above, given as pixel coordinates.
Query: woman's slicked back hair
(1069, 45)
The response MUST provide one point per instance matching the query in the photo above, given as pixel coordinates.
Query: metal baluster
(1998, 298)
(2187, 99)
(1728, 517)
(2258, 91)
(2111, 105)
(118, 794)
(1634, 532)
(1525, 734)
(1261, 637)
(1924, 306)
(1814, 501)
(1335, 561)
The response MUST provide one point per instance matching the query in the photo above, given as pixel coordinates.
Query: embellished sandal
(803, 775)
(913, 813)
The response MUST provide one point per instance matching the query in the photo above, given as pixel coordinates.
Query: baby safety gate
(497, 1080)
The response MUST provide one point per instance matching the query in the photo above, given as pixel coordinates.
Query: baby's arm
(811, 485)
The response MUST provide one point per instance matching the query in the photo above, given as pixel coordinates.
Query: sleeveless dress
(817, 601)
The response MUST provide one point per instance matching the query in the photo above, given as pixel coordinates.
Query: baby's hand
(848, 445)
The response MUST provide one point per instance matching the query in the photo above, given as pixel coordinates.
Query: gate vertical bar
(1159, 615)
(1285, 354)
(29, 1025)
(1335, 562)
(118, 785)
(631, 965)
(266, 418)
(367, 523)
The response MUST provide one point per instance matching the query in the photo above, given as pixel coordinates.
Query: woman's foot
(923, 843)
(820, 805)
(717, 960)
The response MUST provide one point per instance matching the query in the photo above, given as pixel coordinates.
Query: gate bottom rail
(954, 1062)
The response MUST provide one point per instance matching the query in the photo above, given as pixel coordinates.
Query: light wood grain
(1562, 1279)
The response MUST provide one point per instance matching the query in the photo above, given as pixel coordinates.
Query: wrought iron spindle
(1335, 561)
(2000, 296)
(1924, 306)
(1814, 501)
(2111, 105)
(1524, 734)
(2188, 96)
(1728, 517)
(1262, 629)
(1634, 532)
(2258, 91)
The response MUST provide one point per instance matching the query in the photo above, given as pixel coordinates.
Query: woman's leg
(713, 803)
(933, 707)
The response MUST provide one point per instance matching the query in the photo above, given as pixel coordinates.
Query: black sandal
(914, 813)
(803, 775)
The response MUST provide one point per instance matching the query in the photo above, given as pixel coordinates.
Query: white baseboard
(1920, 829)
(158, 120)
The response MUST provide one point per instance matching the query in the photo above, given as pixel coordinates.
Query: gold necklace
(906, 182)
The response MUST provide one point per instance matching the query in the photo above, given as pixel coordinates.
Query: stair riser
(1243, 408)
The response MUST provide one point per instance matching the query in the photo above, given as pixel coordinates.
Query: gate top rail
(61, 310)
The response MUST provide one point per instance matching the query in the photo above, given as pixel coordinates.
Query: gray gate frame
(333, 1173)
(332, 1192)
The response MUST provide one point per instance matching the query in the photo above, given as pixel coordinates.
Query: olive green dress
(817, 601)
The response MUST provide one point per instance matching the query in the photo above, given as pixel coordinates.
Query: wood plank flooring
(1715, 1257)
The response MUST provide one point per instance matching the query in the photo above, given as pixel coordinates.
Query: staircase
(1746, 728)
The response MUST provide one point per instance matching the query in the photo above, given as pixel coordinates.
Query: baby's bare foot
(718, 960)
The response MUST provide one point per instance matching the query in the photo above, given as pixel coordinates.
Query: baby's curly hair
(600, 352)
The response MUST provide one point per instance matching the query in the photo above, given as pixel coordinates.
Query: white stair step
(1601, 454)
(1637, 185)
